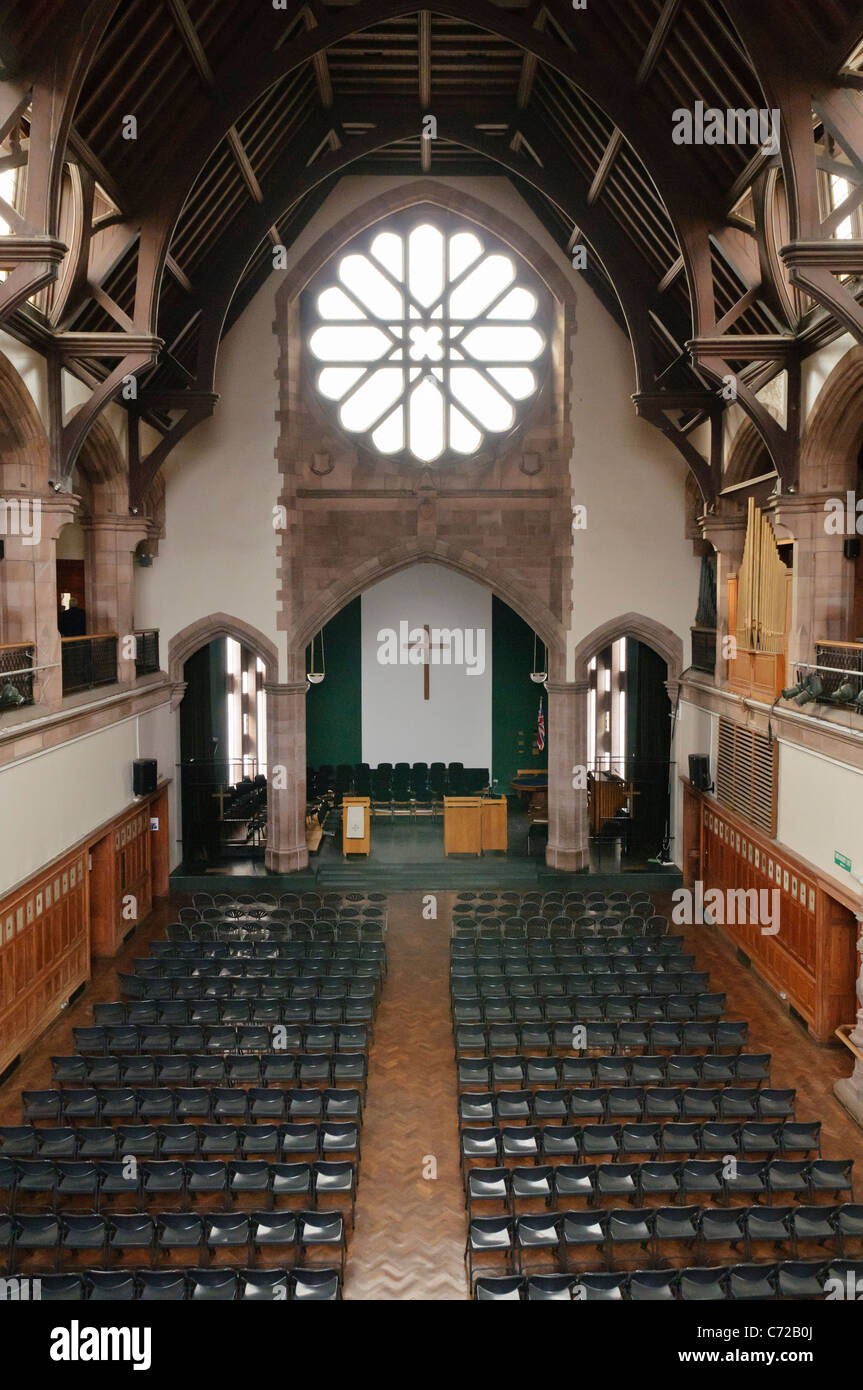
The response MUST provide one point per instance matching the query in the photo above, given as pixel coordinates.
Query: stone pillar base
(287, 861)
(570, 861)
(850, 1096)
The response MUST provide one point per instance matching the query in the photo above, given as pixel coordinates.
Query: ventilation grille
(746, 774)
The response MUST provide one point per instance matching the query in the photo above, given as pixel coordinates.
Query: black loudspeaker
(851, 547)
(144, 776)
(699, 771)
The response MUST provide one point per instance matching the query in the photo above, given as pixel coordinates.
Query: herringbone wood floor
(409, 1238)
(410, 1229)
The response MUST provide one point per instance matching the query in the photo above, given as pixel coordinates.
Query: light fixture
(793, 691)
(538, 676)
(312, 676)
(846, 692)
(10, 696)
(813, 690)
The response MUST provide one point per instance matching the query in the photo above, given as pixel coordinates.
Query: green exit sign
(842, 860)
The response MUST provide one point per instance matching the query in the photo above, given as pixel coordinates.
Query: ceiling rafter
(573, 101)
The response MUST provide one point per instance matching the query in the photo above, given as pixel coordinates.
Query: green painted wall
(334, 732)
(514, 697)
(334, 708)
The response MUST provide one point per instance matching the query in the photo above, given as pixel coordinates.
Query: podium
(356, 825)
(494, 823)
(472, 824)
(462, 825)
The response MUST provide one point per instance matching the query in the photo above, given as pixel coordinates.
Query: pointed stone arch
(833, 434)
(24, 446)
(199, 634)
(100, 473)
(654, 634)
(412, 552)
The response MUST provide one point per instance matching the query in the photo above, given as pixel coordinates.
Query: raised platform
(450, 875)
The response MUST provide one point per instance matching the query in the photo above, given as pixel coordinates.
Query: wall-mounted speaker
(699, 771)
(851, 547)
(144, 776)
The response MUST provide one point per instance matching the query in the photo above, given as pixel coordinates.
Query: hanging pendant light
(312, 676)
(537, 675)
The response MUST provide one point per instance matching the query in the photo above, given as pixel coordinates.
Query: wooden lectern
(356, 825)
(462, 825)
(494, 823)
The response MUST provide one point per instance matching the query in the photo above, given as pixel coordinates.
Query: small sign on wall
(842, 860)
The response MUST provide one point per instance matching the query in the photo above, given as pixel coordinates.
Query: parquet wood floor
(410, 1228)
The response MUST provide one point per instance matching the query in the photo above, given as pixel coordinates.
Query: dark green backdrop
(334, 732)
(334, 708)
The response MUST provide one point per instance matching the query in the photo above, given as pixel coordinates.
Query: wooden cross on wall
(426, 645)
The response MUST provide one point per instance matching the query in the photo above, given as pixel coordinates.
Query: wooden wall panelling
(44, 955)
(160, 845)
(811, 960)
(71, 910)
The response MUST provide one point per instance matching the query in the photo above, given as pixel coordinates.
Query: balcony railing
(147, 652)
(89, 662)
(16, 675)
(839, 663)
(704, 649)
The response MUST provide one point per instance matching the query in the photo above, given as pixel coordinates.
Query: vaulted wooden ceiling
(131, 256)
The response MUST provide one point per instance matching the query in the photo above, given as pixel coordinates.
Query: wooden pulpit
(356, 825)
(494, 823)
(462, 825)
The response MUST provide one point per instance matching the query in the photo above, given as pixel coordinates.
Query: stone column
(29, 593)
(286, 776)
(849, 1090)
(823, 605)
(567, 751)
(111, 544)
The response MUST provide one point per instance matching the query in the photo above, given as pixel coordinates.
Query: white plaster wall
(694, 732)
(53, 799)
(814, 370)
(633, 554)
(398, 724)
(219, 550)
(820, 803)
(31, 367)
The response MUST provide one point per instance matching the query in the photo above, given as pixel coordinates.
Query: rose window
(427, 342)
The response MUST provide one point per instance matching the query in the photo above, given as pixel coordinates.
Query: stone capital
(567, 687)
(277, 688)
(178, 690)
(134, 528)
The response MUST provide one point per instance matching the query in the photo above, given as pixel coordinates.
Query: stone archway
(661, 639)
(531, 609)
(833, 434)
(189, 640)
(200, 633)
(664, 642)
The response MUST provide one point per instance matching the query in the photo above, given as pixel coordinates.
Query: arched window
(429, 337)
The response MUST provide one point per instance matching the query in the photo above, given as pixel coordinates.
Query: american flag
(540, 728)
